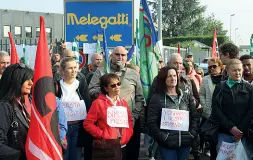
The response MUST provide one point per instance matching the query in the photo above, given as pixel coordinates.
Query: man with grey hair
(131, 91)
(88, 71)
(4, 61)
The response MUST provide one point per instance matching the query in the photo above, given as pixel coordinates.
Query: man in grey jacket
(131, 91)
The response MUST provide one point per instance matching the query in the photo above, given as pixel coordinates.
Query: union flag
(43, 140)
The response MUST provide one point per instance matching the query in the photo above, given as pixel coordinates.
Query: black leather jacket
(169, 138)
(233, 106)
(9, 149)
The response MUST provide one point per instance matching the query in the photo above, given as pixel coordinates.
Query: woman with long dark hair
(15, 83)
(173, 133)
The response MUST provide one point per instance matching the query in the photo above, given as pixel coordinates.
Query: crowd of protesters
(116, 113)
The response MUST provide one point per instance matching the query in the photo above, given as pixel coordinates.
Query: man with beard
(247, 61)
(131, 91)
(4, 61)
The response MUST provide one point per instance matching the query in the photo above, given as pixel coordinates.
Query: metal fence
(5, 43)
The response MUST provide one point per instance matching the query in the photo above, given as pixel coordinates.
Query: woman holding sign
(75, 101)
(172, 117)
(109, 120)
(232, 107)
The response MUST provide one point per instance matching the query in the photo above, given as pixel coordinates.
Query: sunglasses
(118, 54)
(114, 85)
(213, 66)
(199, 73)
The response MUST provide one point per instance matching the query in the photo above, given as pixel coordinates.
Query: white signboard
(74, 110)
(89, 48)
(117, 117)
(173, 119)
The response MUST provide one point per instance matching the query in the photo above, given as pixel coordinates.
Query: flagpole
(160, 28)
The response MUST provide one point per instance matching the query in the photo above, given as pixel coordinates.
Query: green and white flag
(98, 48)
(251, 45)
(148, 57)
(75, 49)
(26, 61)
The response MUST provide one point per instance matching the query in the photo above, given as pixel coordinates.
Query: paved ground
(143, 156)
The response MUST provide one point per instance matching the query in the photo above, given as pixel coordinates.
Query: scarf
(231, 82)
(216, 79)
(118, 66)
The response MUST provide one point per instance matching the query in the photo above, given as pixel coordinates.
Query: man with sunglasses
(131, 91)
(247, 62)
(4, 61)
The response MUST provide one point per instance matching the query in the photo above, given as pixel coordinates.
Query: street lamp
(235, 34)
(231, 24)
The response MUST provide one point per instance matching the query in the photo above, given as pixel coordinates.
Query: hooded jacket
(96, 121)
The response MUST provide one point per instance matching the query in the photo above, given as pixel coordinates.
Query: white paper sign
(117, 117)
(173, 119)
(74, 110)
(89, 48)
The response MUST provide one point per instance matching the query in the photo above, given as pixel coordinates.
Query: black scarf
(216, 79)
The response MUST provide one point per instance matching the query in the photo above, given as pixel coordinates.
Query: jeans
(174, 154)
(229, 139)
(73, 152)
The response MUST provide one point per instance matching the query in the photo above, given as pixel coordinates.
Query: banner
(117, 116)
(74, 110)
(173, 119)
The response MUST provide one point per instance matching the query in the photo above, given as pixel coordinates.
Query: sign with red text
(117, 117)
(74, 110)
(232, 151)
(173, 119)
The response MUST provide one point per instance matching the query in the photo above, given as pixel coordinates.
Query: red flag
(15, 59)
(178, 48)
(43, 140)
(215, 44)
(14, 54)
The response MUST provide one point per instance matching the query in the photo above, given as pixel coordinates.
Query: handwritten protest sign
(117, 117)
(173, 119)
(232, 151)
(74, 110)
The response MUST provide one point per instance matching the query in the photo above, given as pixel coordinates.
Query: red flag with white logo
(43, 140)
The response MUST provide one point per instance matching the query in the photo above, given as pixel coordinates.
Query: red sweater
(96, 121)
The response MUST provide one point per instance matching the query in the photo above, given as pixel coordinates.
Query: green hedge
(207, 40)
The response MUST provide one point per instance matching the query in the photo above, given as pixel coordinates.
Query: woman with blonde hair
(232, 107)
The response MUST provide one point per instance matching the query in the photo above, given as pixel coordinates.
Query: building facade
(25, 25)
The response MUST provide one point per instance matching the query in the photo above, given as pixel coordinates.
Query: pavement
(143, 156)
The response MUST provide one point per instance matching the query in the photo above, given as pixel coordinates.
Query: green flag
(75, 50)
(98, 48)
(26, 61)
(148, 58)
(251, 45)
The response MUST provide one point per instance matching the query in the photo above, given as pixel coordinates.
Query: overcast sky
(221, 8)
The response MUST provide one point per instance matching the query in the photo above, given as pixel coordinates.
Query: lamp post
(231, 25)
(160, 28)
(235, 34)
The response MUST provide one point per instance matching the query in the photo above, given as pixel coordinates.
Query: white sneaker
(152, 158)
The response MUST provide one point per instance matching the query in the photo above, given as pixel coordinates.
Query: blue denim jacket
(62, 119)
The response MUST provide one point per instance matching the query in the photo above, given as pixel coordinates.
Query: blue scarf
(231, 82)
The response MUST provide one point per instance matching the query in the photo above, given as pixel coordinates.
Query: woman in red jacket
(109, 117)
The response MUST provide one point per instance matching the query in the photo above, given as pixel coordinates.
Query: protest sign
(117, 116)
(173, 119)
(232, 151)
(74, 110)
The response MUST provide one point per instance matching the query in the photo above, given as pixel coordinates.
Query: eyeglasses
(114, 85)
(119, 54)
(213, 66)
